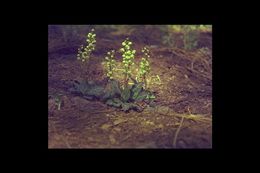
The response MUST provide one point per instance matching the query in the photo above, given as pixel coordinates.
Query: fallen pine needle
(177, 132)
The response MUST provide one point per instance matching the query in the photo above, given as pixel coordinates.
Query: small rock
(90, 139)
(149, 109)
(65, 101)
(160, 126)
(118, 121)
(150, 123)
(51, 105)
(112, 139)
(163, 110)
(117, 129)
(181, 144)
(105, 126)
(147, 145)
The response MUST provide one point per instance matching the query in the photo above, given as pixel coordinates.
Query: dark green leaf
(80, 87)
(114, 102)
(129, 106)
(111, 90)
(95, 90)
(126, 106)
(115, 86)
(125, 94)
(142, 96)
(136, 89)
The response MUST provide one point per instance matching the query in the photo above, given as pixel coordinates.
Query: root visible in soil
(177, 132)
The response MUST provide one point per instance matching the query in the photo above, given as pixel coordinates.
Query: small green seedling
(158, 80)
(84, 52)
(190, 36)
(144, 68)
(110, 63)
(128, 55)
(58, 100)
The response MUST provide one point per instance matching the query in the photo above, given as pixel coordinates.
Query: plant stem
(59, 104)
(145, 82)
(126, 81)
(177, 132)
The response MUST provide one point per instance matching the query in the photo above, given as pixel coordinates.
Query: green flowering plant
(190, 36)
(110, 63)
(128, 96)
(58, 101)
(144, 67)
(84, 52)
(128, 55)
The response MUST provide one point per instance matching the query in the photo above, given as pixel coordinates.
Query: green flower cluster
(110, 63)
(144, 67)
(144, 64)
(84, 52)
(128, 55)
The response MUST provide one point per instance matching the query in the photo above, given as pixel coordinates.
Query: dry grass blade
(177, 132)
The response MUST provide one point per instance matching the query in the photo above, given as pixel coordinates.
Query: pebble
(163, 110)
